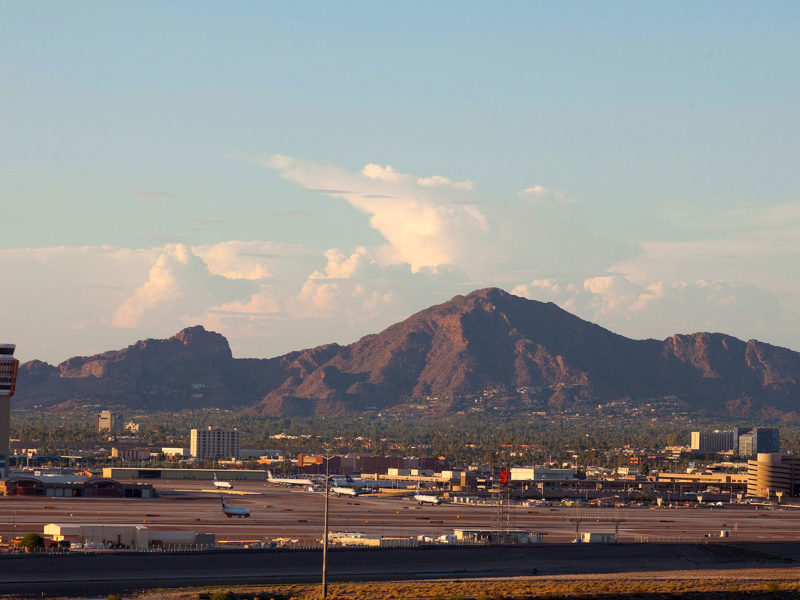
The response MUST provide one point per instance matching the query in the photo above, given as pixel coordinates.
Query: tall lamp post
(325, 533)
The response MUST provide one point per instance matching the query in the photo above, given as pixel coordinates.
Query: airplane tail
(215, 476)
(269, 474)
(223, 502)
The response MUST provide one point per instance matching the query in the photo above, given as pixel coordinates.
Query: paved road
(124, 572)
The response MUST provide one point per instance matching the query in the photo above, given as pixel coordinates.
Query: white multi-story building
(213, 443)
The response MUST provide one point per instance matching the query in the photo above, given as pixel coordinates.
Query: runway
(281, 512)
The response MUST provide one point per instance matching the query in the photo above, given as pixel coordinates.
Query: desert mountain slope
(486, 340)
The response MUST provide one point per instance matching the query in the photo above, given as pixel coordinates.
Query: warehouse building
(541, 474)
(193, 474)
(138, 537)
(73, 486)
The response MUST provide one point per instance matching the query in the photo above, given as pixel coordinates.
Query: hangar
(73, 486)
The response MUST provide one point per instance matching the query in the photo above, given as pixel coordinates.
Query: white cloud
(441, 181)
(733, 272)
(427, 222)
(178, 283)
(663, 308)
(237, 259)
(758, 245)
(341, 266)
(541, 193)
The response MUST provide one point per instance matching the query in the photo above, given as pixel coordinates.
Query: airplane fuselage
(427, 499)
(234, 511)
(222, 485)
(287, 480)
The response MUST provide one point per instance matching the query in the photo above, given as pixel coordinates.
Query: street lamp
(325, 532)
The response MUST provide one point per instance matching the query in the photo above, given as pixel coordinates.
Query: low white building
(175, 451)
(541, 474)
(595, 537)
(377, 541)
(513, 536)
(107, 535)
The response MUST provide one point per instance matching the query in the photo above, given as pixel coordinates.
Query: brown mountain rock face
(486, 340)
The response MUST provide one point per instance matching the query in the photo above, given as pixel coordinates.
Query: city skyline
(294, 176)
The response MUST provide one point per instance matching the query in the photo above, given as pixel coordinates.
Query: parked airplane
(427, 499)
(344, 491)
(234, 511)
(288, 480)
(222, 485)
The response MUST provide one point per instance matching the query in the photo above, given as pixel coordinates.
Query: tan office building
(214, 443)
(772, 475)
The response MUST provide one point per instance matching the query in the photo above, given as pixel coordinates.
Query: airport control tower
(8, 381)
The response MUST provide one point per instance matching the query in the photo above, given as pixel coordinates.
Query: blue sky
(292, 175)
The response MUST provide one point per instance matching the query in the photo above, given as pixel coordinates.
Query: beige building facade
(214, 443)
(773, 475)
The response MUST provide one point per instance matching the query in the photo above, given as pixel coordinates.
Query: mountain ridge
(488, 339)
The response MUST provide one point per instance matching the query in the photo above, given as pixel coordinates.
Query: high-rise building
(710, 442)
(108, 421)
(741, 441)
(759, 440)
(8, 382)
(214, 443)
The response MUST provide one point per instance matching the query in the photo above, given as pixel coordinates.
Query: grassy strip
(513, 589)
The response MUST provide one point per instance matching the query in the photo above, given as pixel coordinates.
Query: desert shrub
(772, 587)
(228, 595)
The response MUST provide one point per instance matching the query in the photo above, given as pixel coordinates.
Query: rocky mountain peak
(488, 340)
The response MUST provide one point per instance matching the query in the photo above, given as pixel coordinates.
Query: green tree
(31, 541)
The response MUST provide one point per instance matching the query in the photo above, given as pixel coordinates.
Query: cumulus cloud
(441, 181)
(734, 271)
(341, 266)
(540, 193)
(426, 222)
(178, 283)
(663, 308)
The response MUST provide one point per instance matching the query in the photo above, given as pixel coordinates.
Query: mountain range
(488, 342)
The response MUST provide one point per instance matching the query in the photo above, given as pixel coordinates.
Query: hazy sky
(293, 174)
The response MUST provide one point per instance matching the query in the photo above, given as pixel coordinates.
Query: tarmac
(282, 512)
(677, 538)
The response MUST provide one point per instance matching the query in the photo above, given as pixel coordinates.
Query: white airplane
(222, 485)
(288, 480)
(427, 499)
(234, 511)
(344, 491)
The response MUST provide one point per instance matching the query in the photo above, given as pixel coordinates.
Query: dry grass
(783, 584)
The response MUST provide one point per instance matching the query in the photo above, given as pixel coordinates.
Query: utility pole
(325, 534)
(577, 520)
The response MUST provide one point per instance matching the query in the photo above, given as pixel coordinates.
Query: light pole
(325, 534)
